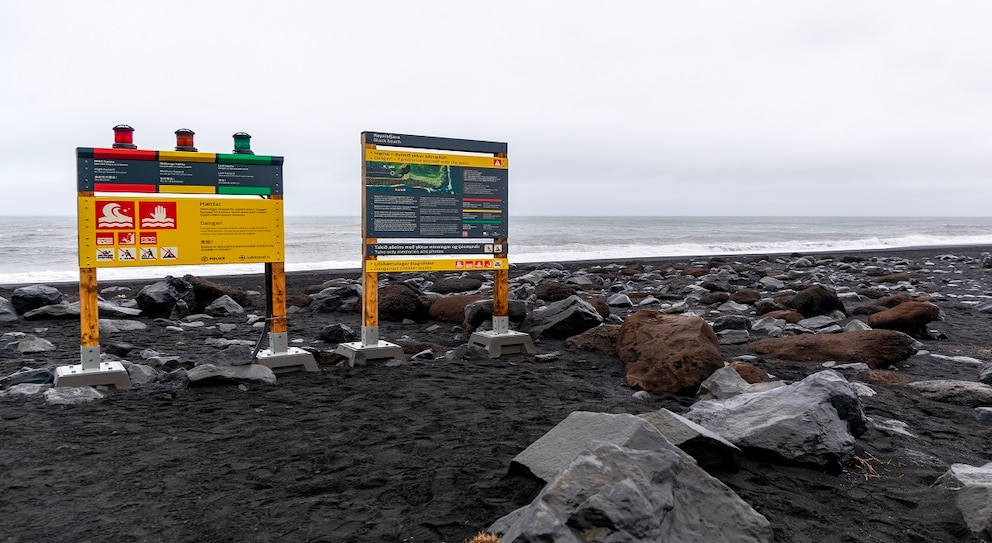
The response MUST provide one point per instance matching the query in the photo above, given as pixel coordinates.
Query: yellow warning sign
(441, 264)
(436, 159)
(154, 231)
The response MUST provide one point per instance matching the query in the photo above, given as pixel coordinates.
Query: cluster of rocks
(174, 304)
(671, 325)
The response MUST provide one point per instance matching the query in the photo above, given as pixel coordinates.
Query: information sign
(434, 248)
(428, 265)
(438, 194)
(140, 171)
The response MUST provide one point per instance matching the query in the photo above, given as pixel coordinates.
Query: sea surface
(44, 249)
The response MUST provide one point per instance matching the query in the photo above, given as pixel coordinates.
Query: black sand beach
(419, 452)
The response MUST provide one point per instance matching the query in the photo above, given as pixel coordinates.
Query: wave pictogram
(161, 223)
(113, 217)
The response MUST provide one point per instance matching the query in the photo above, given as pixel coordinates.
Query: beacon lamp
(184, 140)
(124, 137)
(242, 144)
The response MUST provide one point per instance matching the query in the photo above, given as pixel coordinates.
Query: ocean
(44, 249)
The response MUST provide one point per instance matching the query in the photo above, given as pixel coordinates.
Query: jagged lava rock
(667, 353)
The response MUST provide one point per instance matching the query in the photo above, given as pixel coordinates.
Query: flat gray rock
(205, 374)
(972, 489)
(71, 395)
(33, 344)
(554, 450)
(968, 393)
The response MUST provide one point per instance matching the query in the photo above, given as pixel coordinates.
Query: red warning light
(124, 137)
(184, 140)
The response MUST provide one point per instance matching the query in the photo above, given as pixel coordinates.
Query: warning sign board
(428, 265)
(140, 231)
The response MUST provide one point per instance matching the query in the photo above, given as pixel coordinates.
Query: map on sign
(415, 177)
(451, 189)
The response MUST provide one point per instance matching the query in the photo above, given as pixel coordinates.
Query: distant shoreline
(356, 272)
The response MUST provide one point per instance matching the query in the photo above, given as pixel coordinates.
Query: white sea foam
(43, 250)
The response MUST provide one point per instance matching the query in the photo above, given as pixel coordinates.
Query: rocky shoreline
(423, 450)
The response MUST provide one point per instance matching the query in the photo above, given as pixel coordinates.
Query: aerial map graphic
(390, 176)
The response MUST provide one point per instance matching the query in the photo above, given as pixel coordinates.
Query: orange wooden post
(370, 299)
(89, 320)
(501, 295)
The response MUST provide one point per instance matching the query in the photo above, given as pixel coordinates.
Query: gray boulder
(727, 382)
(710, 451)
(108, 309)
(223, 307)
(7, 311)
(345, 299)
(554, 450)
(32, 344)
(116, 326)
(160, 298)
(619, 300)
(480, 311)
(62, 310)
(967, 393)
(337, 333)
(813, 421)
(71, 395)
(985, 373)
(562, 319)
(25, 389)
(972, 489)
(25, 299)
(210, 374)
(983, 415)
(619, 495)
(142, 374)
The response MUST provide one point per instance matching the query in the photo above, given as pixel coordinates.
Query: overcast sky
(663, 107)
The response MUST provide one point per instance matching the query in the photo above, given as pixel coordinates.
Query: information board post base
(291, 359)
(498, 344)
(360, 354)
(108, 373)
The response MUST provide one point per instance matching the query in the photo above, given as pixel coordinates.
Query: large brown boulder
(745, 296)
(909, 317)
(816, 300)
(877, 348)
(401, 301)
(667, 353)
(790, 316)
(601, 339)
(452, 308)
(206, 291)
(553, 291)
(448, 285)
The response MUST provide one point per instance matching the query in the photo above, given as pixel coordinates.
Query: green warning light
(242, 144)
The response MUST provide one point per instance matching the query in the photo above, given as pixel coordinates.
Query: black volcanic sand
(420, 452)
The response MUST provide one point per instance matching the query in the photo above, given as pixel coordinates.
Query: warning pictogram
(115, 215)
(157, 215)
